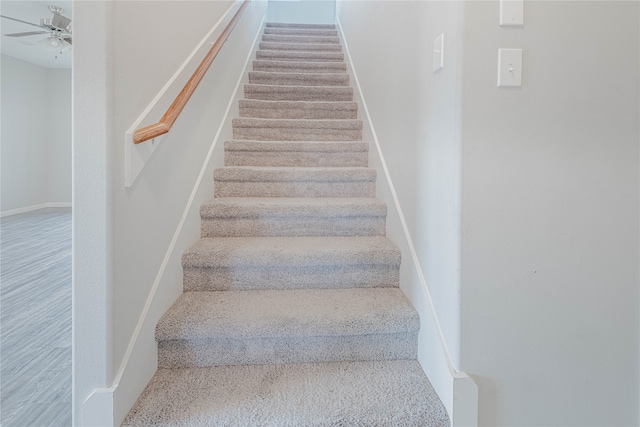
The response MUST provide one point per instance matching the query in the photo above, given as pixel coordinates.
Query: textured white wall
(142, 220)
(302, 11)
(36, 135)
(550, 215)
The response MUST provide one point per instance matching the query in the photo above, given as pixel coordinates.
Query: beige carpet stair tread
(295, 25)
(381, 393)
(291, 252)
(316, 110)
(299, 66)
(299, 146)
(288, 55)
(262, 207)
(303, 47)
(301, 31)
(281, 38)
(298, 93)
(298, 79)
(281, 313)
(285, 174)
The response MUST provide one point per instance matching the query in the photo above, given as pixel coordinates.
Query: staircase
(291, 313)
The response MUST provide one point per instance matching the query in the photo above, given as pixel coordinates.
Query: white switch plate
(509, 67)
(438, 53)
(511, 13)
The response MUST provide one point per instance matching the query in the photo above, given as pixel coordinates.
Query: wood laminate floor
(35, 318)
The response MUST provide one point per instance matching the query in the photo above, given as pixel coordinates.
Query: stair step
(298, 93)
(287, 326)
(372, 393)
(258, 108)
(246, 263)
(297, 129)
(288, 216)
(301, 47)
(298, 79)
(294, 182)
(301, 32)
(296, 153)
(292, 55)
(304, 26)
(299, 67)
(284, 38)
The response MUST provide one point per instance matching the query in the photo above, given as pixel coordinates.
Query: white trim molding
(35, 208)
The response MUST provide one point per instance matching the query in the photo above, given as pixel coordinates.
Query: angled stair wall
(291, 312)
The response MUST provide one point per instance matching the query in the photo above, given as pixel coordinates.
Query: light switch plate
(511, 13)
(509, 67)
(438, 53)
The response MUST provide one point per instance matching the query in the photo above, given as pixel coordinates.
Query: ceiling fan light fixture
(55, 44)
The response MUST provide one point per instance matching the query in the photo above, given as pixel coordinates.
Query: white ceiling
(27, 48)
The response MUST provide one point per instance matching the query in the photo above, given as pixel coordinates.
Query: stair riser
(260, 351)
(297, 159)
(293, 226)
(303, 26)
(294, 189)
(302, 47)
(300, 67)
(280, 38)
(301, 32)
(298, 113)
(298, 79)
(286, 93)
(317, 277)
(279, 55)
(297, 134)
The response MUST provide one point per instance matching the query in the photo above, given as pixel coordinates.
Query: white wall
(145, 234)
(550, 215)
(302, 11)
(522, 204)
(36, 135)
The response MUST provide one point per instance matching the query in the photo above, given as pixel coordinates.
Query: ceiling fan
(57, 28)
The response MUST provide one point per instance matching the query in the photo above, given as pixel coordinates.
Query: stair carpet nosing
(302, 32)
(299, 66)
(285, 38)
(292, 55)
(317, 110)
(287, 326)
(297, 93)
(301, 47)
(297, 25)
(291, 262)
(298, 79)
(279, 217)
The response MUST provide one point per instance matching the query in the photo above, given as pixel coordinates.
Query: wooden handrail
(165, 123)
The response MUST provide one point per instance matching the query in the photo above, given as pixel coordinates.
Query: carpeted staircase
(291, 313)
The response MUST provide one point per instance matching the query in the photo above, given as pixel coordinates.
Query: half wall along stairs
(291, 313)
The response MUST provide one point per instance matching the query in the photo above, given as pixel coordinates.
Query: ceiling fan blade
(19, 20)
(29, 33)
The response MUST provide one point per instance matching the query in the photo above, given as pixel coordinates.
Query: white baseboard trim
(464, 390)
(97, 410)
(35, 208)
